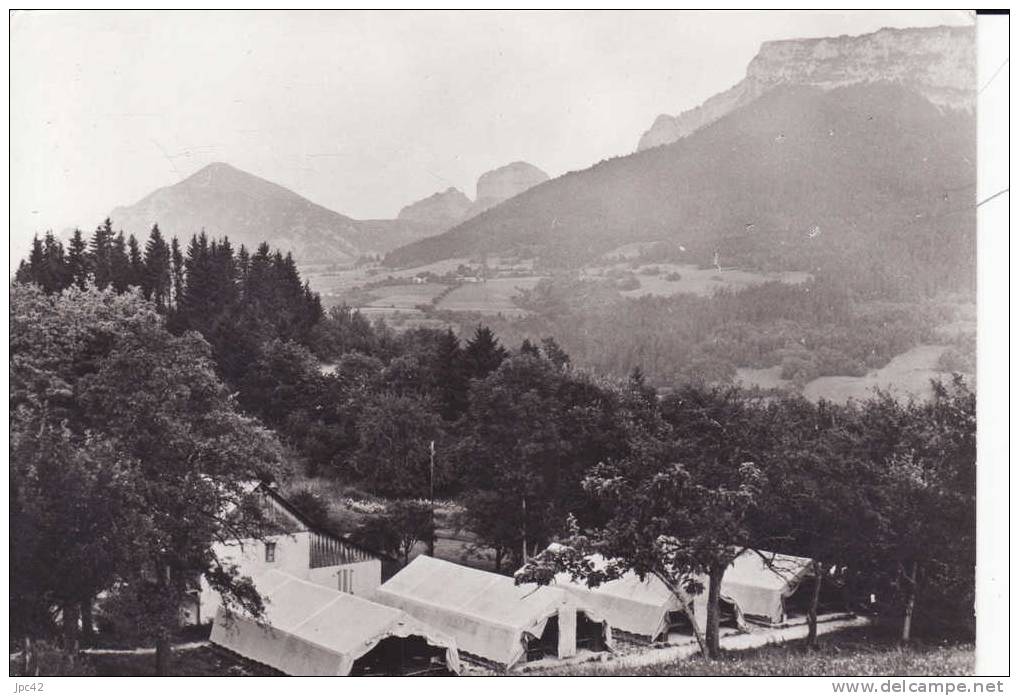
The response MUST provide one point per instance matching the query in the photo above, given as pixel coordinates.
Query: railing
(329, 551)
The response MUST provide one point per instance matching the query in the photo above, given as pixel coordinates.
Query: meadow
(860, 652)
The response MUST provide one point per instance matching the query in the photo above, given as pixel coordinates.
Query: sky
(362, 112)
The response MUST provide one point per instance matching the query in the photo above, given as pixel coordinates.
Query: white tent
(489, 616)
(754, 587)
(759, 587)
(311, 630)
(629, 604)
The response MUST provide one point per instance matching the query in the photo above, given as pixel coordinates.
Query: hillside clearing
(494, 296)
(866, 651)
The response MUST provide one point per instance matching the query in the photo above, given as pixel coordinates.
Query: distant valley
(805, 230)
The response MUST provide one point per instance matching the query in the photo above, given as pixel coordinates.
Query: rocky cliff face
(503, 183)
(441, 210)
(937, 62)
(447, 209)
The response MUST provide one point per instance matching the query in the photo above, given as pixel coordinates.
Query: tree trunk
(26, 657)
(498, 559)
(163, 652)
(88, 631)
(711, 631)
(70, 621)
(907, 621)
(687, 605)
(812, 611)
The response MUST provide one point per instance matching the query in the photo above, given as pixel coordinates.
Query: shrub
(628, 282)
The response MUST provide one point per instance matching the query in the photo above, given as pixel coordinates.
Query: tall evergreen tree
(483, 353)
(158, 277)
(28, 271)
(77, 259)
(177, 271)
(450, 376)
(100, 247)
(136, 265)
(120, 264)
(54, 275)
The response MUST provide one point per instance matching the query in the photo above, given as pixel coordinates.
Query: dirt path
(682, 648)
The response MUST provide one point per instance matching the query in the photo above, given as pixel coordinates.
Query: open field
(865, 651)
(404, 296)
(192, 661)
(907, 374)
(763, 377)
(692, 279)
(494, 296)
(332, 281)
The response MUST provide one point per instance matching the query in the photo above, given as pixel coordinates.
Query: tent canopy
(629, 604)
(311, 630)
(758, 582)
(487, 614)
(756, 587)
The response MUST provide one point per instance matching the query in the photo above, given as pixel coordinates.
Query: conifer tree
(157, 280)
(483, 353)
(136, 265)
(99, 254)
(28, 271)
(120, 264)
(53, 275)
(177, 271)
(77, 259)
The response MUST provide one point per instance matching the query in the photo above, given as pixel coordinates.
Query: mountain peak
(939, 63)
(505, 182)
(441, 210)
(227, 201)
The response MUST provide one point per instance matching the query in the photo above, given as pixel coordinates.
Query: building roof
(311, 630)
(306, 523)
(487, 614)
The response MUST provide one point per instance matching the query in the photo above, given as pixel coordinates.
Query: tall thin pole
(523, 529)
(431, 495)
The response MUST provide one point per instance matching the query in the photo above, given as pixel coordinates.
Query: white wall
(293, 554)
(364, 577)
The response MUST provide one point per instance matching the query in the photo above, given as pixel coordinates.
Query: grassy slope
(855, 652)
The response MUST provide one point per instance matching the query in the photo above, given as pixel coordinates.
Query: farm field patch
(494, 296)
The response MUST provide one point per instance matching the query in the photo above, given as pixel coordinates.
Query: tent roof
(487, 613)
(627, 603)
(777, 573)
(309, 629)
(758, 586)
(489, 597)
(641, 607)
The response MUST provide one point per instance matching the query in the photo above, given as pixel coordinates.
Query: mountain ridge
(854, 162)
(937, 62)
(227, 201)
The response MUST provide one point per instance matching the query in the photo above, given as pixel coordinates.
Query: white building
(302, 551)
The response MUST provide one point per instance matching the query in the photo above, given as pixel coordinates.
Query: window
(346, 580)
(270, 552)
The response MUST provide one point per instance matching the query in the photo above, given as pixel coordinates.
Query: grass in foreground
(854, 652)
(206, 661)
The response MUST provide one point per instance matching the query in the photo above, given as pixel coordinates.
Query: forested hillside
(869, 183)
